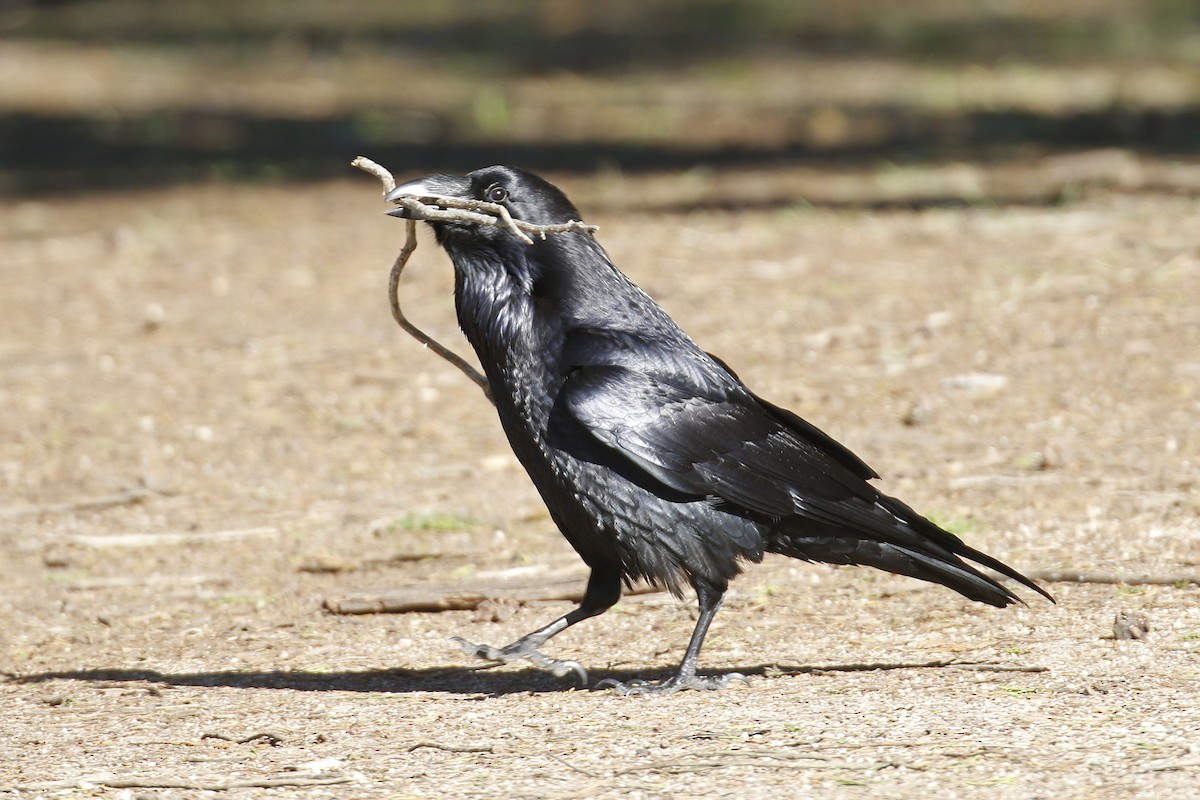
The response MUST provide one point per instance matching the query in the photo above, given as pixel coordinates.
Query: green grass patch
(436, 522)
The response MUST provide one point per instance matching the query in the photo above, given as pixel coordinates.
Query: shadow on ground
(453, 680)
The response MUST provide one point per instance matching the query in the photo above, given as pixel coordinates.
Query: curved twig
(379, 171)
(452, 209)
(425, 339)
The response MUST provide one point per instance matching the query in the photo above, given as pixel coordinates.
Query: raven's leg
(603, 590)
(685, 677)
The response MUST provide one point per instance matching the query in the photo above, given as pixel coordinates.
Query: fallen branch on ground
(154, 539)
(272, 738)
(331, 565)
(1127, 578)
(979, 666)
(125, 498)
(451, 209)
(759, 760)
(451, 748)
(456, 597)
(170, 581)
(1168, 765)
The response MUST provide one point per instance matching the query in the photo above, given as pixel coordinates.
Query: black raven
(654, 459)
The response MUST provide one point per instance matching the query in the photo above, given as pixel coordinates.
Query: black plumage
(654, 459)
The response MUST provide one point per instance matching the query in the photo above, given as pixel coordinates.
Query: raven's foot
(523, 650)
(675, 683)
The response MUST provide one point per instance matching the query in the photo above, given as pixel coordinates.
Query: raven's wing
(721, 444)
(809, 432)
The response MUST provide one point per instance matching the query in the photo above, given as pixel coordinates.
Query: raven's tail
(909, 545)
(945, 540)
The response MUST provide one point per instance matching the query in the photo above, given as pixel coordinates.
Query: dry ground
(224, 356)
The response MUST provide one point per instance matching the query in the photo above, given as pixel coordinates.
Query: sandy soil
(217, 367)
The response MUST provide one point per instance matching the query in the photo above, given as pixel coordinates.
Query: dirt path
(216, 367)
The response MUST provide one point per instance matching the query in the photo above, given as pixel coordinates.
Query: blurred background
(122, 93)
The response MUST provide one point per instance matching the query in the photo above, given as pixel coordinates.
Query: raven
(653, 458)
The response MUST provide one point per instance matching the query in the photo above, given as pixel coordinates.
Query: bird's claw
(523, 651)
(673, 684)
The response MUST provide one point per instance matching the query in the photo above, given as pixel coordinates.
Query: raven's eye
(496, 193)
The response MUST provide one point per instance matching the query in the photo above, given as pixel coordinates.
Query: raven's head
(526, 197)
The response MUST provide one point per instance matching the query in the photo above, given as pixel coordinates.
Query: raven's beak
(427, 189)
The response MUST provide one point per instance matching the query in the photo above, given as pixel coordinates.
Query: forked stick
(480, 212)
(451, 209)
